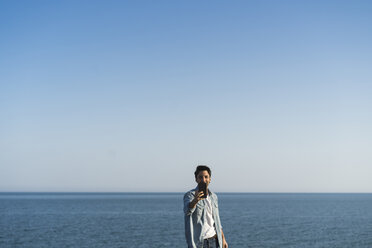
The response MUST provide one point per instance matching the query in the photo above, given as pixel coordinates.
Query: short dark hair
(202, 168)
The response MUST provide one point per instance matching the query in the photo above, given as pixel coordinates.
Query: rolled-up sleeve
(187, 198)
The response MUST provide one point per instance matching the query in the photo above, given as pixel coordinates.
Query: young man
(202, 219)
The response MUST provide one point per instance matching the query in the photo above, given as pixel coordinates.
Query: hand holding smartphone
(203, 187)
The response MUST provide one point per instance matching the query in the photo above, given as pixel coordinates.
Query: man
(202, 219)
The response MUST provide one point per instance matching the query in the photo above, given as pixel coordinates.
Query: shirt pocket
(215, 208)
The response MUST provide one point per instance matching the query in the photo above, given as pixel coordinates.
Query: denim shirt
(195, 218)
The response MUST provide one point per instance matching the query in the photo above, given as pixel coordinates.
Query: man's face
(203, 176)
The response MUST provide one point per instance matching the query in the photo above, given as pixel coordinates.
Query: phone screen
(203, 187)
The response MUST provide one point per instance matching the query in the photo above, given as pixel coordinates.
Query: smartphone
(203, 187)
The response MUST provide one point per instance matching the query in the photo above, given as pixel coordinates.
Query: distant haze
(275, 96)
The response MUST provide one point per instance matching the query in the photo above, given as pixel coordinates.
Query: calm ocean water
(156, 220)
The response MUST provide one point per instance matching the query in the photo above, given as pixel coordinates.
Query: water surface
(156, 220)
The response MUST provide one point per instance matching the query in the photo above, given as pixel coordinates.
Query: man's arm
(224, 243)
(190, 202)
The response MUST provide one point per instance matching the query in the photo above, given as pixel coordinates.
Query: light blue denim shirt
(195, 218)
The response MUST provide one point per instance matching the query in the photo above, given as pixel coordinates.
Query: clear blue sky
(131, 95)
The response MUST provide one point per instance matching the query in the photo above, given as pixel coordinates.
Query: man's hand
(197, 198)
(224, 244)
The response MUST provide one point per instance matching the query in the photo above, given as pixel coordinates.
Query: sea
(36, 220)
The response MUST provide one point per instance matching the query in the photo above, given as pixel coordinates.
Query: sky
(130, 96)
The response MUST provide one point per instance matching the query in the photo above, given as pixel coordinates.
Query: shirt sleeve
(187, 198)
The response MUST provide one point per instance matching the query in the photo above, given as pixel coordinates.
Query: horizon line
(178, 192)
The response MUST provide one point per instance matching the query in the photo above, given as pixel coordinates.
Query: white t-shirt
(208, 228)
